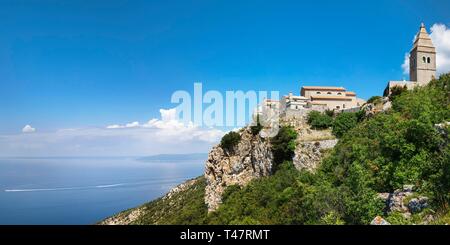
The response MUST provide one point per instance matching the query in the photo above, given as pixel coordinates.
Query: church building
(422, 63)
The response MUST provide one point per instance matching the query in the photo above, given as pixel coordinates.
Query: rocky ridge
(308, 154)
(250, 159)
(405, 201)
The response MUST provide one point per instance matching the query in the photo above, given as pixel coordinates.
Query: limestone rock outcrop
(443, 130)
(251, 158)
(308, 155)
(382, 105)
(379, 221)
(405, 201)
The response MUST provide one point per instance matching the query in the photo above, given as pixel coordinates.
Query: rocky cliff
(308, 154)
(250, 159)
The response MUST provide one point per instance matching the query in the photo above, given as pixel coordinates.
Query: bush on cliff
(256, 128)
(283, 145)
(329, 113)
(230, 140)
(318, 120)
(375, 100)
(344, 122)
(397, 90)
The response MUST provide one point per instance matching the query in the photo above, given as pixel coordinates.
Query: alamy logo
(235, 109)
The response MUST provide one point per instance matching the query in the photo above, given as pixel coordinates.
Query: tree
(397, 90)
(375, 100)
(319, 120)
(257, 128)
(329, 113)
(230, 140)
(344, 122)
(283, 145)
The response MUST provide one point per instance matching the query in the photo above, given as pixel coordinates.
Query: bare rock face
(379, 221)
(443, 130)
(387, 103)
(370, 109)
(308, 155)
(405, 201)
(124, 219)
(250, 159)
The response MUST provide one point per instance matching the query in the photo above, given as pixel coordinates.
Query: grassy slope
(185, 207)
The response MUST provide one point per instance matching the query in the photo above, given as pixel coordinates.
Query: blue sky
(81, 64)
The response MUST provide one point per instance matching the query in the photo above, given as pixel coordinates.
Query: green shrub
(230, 140)
(256, 128)
(283, 145)
(319, 120)
(375, 100)
(229, 191)
(344, 122)
(397, 90)
(332, 218)
(185, 207)
(312, 115)
(277, 199)
(329, 113)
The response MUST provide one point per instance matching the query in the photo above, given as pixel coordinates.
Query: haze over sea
(86, 190)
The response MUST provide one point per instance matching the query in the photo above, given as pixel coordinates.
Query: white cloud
(170, 128)
(132, 125)
(157, 136)
(114, 126)
(128, 125)
(405, 65)
(440, 35)
(28, 129)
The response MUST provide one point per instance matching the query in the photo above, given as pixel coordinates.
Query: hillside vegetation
(374, 155)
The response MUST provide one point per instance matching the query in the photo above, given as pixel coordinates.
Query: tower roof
(423, 41)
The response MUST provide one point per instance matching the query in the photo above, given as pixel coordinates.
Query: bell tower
(422, 58)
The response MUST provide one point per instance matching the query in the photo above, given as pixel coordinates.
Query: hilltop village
(422, 70)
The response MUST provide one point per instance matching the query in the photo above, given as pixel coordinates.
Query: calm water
(83, 191)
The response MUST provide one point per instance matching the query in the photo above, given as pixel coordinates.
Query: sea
(79, 190)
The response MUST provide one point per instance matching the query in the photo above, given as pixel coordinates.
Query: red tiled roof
(323, 88)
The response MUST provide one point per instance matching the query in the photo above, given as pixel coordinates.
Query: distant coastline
(173, 157)
(151, 158)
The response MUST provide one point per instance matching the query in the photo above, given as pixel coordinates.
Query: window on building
(339, 93)
(338, 107)
(317, 92)
(424, 59)
(343, 105)
(329, 93)
(428, 60)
